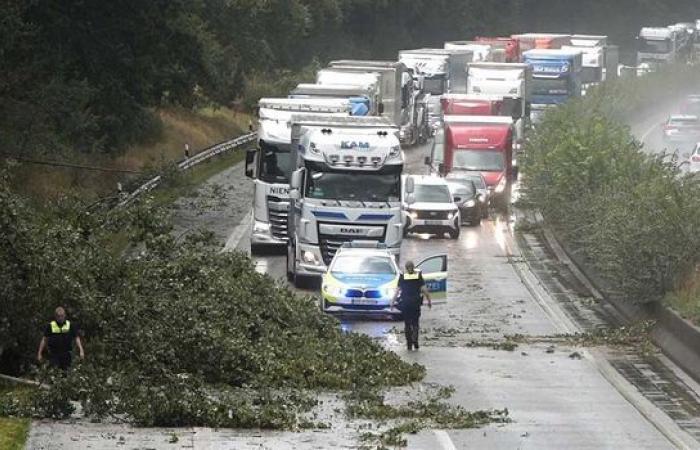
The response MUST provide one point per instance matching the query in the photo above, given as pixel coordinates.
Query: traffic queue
(330, 185)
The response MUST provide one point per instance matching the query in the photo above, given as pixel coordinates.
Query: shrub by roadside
(632, 216)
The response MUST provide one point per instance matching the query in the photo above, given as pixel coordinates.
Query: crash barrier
(188, 163)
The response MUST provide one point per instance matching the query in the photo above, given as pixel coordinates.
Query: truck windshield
(481, 160)
(383, 186)
(432, 193)
(275, 163)
(434, 85)
(550, 86)
(647, 46)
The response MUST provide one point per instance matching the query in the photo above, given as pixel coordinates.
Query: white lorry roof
(320, 105)
(553, 52)
(339, 77)
(350, 121)
(656, 33)
(499, 66)
(588, 40)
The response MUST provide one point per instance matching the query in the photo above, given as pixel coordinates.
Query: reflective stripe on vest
(411, 276)
(55, 329)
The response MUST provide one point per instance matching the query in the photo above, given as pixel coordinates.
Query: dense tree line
(81, 74)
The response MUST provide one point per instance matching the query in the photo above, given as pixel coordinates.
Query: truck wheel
(454, 234)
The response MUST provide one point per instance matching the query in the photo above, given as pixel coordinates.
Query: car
(694, 160)
(429, 207)
(468, 200)
(463, 177)
(682, 129)
(363, 277)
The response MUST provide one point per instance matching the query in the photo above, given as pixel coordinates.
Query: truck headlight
(309, 257)
(261, 227)
(501, 185)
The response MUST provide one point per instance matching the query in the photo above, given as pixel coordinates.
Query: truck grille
(432, 215)
(278, 211)
(330, 243)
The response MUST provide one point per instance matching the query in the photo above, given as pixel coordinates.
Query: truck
(542, 41)
(482, 51)
(437, 72)
(268, 164)
(510, 46)
(345, 185)
(600, 60)
(556, 77)
(657, 46)
(477, 144)
(396, 92)
(365, 99)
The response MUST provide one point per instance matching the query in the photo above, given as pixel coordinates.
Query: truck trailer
(556, 77)
(599, 59)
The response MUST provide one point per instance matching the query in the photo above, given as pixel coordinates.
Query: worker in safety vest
(410, 293)
(59, 336)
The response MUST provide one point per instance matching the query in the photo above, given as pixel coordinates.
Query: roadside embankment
(627, 217)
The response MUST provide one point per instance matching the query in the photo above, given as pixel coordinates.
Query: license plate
(433, 222)
(363, 301)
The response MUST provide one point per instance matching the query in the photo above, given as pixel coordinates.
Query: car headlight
(334, 289)
(470, 203)
(451, 215)
(413, 214)
(309, 257)
(261, 227)
(501, 185)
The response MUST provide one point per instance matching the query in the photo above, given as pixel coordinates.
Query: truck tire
(454, 234)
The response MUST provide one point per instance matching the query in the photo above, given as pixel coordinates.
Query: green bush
(633, 216)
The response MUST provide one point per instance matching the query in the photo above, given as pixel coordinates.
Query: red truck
(510, 45)
(469, 105)
(530, 41)
(478, 144)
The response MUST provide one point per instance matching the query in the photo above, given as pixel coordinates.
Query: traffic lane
(555, 401)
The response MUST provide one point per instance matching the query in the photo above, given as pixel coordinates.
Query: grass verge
(686, 301)
(13, 433)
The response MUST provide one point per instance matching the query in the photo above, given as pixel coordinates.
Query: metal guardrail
(188, 163)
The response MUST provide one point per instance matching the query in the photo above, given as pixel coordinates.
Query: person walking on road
(410, 293)
(59, 336)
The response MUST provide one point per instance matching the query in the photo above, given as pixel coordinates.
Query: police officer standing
(410, 293)
(59, 335)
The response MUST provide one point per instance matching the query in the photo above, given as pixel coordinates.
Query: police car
(363, 277)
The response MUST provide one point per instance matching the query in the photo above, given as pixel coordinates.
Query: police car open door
(434, 270)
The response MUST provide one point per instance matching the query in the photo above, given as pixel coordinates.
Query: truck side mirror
(410, 199)
(250, 163)
(297, 179)
(410, 186)
(457, 199)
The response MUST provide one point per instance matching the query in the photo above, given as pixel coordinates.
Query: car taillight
(696, 158)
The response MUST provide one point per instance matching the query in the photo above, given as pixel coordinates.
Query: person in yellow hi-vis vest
(59, 336)
(410, 293)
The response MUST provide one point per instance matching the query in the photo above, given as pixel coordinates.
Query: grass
(13, 433)
(199, 129)
(686, 301)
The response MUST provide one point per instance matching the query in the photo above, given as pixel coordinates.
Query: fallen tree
(177, 333)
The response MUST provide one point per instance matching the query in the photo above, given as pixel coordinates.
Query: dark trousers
(411, 329)
(60, 361)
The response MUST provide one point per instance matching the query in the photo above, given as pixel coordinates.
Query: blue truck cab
(556, 75)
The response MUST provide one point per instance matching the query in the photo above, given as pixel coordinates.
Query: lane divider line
(444, 440)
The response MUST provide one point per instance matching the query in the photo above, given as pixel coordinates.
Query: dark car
(466, 177)
(467, 198)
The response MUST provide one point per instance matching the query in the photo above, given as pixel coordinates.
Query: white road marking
(238, 233)
(444, 440)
